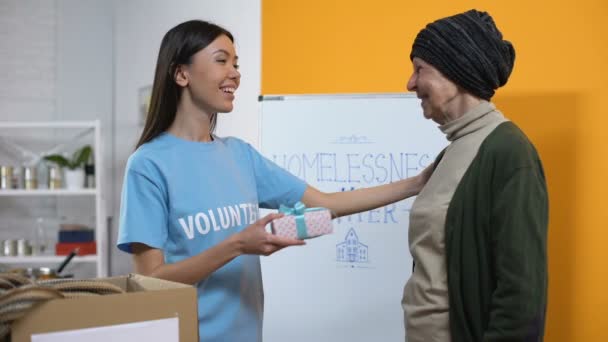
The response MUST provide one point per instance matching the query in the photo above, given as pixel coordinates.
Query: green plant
(79, 158)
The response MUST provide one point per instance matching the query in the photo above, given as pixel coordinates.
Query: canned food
(30, 177)
(54, 177)
(6, 177)
(17, 177)
(9, 247)
(23, 247)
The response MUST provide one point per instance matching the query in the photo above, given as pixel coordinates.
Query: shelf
(45, 259)
(62, 134)
(47, 192)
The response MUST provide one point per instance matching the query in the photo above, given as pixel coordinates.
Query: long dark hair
(177, 48)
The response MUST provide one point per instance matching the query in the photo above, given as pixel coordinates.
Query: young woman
(189, 210)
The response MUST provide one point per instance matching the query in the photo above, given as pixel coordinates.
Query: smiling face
(438, 94)
(212, 77)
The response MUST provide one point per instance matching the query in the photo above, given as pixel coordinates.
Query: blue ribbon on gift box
(298, 210)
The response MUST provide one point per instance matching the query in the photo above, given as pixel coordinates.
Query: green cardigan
(496, 238)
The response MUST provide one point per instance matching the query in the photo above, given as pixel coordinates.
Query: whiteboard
(346, 286)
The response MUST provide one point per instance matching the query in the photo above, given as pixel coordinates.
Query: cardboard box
(146, 299)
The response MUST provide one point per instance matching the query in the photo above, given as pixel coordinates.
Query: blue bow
(298, 210)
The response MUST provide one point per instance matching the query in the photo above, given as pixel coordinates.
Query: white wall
(139, 26)
(56, 61)
(27, 59)
(27, 92)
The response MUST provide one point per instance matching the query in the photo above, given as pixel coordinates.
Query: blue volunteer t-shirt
(184, 197)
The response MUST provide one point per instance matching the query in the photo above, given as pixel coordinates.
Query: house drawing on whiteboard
(351, 250)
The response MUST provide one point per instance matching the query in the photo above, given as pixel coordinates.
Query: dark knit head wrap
(469, 50)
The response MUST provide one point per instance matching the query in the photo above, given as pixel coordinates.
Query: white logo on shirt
(227, 217)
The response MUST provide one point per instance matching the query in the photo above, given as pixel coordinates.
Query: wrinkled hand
(256, 240)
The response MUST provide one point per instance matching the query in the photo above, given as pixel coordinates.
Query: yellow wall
(555, 94)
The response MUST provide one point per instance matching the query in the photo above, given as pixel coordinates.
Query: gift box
(301, 223)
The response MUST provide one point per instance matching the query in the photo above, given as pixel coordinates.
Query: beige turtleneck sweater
(425, 298)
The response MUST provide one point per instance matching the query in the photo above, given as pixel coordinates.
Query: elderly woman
(478, 229)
